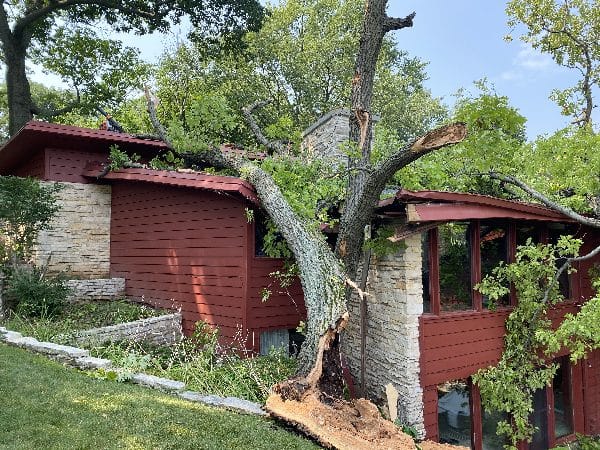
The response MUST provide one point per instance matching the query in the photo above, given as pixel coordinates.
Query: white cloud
(511, 75)
(532, 60)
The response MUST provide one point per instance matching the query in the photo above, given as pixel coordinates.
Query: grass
(79, 316)
(47, 406)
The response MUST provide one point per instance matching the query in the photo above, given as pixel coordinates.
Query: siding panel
(181, 248)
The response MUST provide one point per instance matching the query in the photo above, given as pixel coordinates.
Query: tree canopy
(63, 37)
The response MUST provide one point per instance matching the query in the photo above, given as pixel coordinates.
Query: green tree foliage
(26, 208)
(569, 31)
(526, 363)
(65, 37)
(302, 59)
(496, 137)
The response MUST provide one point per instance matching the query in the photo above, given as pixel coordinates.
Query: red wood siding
(34, 167)
(591, 389)
(280, 311)
(183, 248)
(455, 346)
(68, 165)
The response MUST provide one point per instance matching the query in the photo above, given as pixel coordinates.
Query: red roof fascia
(36, 135)
(438, 206)
(194, 180)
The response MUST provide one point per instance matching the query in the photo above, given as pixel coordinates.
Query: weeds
(205, 365)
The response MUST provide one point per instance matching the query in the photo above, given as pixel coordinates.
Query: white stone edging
(81, 359)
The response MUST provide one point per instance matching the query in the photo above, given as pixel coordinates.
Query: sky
(462, 40)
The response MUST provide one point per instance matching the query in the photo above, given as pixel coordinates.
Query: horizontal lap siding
(68, 165)
(34, 167)
(591, 371)
(280, 310)
(456, 346)
(181, 248)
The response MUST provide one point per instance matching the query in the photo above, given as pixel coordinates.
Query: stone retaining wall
(79, 240)
(158, 330)
(97, 289)
(392, 346)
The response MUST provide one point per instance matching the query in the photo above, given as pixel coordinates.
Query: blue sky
(463, 41)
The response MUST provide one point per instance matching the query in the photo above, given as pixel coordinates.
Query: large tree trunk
(20, 103)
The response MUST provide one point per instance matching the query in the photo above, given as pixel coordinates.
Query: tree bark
(20, 103)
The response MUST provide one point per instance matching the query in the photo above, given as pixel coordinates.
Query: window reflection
(563, 410)
(493, 243)
(489, 424)
(455, 267)
(454, 413)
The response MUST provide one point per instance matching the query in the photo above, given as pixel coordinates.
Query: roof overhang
(436, 206)
(36, 136)
(193, 180)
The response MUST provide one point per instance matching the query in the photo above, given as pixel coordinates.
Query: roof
(430, 206)
(194, 180)
(36, 135)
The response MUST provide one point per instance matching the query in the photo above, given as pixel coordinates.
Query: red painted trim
(476, 297)
(192, 180)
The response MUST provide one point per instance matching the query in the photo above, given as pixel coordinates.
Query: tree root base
(343, 425)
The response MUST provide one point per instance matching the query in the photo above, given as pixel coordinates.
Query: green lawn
(46, 406)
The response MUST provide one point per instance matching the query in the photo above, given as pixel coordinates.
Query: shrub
(32, 293)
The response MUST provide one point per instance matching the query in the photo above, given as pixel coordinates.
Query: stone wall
(158, 330)
(79, 240)
(326, 137)
(394, 305)
(97, 289)
(323, 138)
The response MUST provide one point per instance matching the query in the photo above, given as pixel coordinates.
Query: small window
(493, 244)
(455, 267)
(491, 440)
(526, 232)
(425, 275)
(454, 413)
(555, 231)
(563, 409)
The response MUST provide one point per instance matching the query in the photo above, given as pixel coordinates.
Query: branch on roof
(591, 222)
(151, 102)
(272, 146)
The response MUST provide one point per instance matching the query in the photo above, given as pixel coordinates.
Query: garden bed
(73, 318)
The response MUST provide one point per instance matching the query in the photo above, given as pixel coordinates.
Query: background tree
(301, 60)
(569, 31)
(29, 28)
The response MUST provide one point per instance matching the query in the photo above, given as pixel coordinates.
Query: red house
(180, 240)
(184, 240)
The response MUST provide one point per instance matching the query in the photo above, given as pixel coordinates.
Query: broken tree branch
(396, 23)
(591, 222)
(158, 127)
(273, 146)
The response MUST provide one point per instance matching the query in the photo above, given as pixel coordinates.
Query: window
(425, 271)
(555, 231)
(489, 425)
(494, 249)
(454, 247)
(561, 390)
(454, 413)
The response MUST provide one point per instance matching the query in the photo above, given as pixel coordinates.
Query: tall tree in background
(569, 31)
(50, 31)
(302, 60)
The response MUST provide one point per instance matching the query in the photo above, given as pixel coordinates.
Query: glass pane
(554, 232)
(455, 267)
(563, 410)
(489, 425)
(425, 272)
(493, 242)
(454, 413)
(539, 419)
(525, 232)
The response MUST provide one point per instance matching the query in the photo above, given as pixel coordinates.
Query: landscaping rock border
(81, 359)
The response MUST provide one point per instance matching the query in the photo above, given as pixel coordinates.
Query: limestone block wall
(96, 289)
(79, 240)
(392, 345)
(323, 138)
(158, 330)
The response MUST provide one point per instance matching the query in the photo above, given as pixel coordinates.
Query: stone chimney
(326, 137)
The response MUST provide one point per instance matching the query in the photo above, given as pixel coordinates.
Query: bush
(31, 293)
